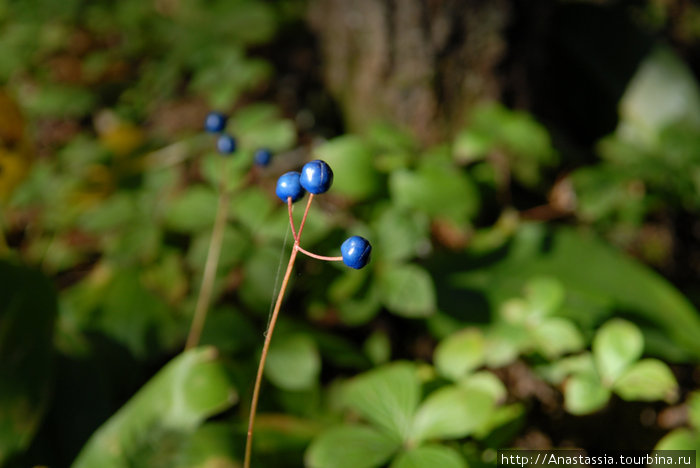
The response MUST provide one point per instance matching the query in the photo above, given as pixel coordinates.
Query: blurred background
(528, 173)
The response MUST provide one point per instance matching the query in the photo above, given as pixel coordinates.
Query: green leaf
(293, 362)
(584, 394)
(209, 446)
(603, 281)
(400, 234)
(387, 396)
(680, 439)
(352, 161)
(544, 295)
(259, 125)
(460, 353)
(616, 345)
(451, 412)
(350, 447)
(407, 290)
(27, 315)
(430, 456)
(153, 424)
(647, 380)
(194, 210)
(433, 189)
(555, 336)
(485, 382)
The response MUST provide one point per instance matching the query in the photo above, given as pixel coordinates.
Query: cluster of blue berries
(215, 123)
(316, 177)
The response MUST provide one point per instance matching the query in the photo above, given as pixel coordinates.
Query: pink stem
(320, 257)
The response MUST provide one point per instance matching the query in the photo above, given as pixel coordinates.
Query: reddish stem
(268, 335)
(320, 257)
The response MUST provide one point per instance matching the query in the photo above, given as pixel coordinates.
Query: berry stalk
(210, 267)
(271, 328)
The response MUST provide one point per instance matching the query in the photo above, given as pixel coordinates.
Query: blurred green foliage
(491, 254)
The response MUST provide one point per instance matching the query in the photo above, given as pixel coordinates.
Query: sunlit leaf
(387, 396)
(350, 447)
(151, 427)
(430, 456)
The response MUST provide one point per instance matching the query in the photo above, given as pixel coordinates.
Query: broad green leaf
(460, 353)
(647, 380)
(407, 290)
(555, 336)
(504, 343)
(544, 295)
(584, 394)
(151, 427)
(386, 396)
(598, 281)
(210, 446)
(485, 382)
(434, 189)
(352, 161)
(616, 345)
(27, 315)
(293, 362)
(351, 447)
(194, 210)
(430, 456)
(400, 234)
(680, 439)
(132, 315)
(251, 208)
(450, 413)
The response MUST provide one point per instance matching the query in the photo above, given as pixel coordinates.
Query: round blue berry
(356, 251)
(215, 122)
(316, 177)
(262, 157)
(288, 186)
(226, 144)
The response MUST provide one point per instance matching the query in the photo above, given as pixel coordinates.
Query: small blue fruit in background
(215, 122)
(262, 157)
(288, 186)
(226, 144)
(316, 177)
(356, 252)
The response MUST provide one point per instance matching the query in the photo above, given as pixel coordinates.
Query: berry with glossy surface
(226, 144)
(316, 177)
(215, 122)
(356, 252)
(288, 186)
(262, 157)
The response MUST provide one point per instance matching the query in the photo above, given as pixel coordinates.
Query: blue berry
(262, 157)
(226, 144)
(288, 186)
(316, 177)
(215, 122)
(356, 252)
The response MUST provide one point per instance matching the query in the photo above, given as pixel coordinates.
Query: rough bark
(419, 63)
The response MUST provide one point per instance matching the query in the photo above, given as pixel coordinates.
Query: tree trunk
(420, 63)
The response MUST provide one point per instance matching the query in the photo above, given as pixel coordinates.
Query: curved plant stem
(320, 257)
(210, 267)
(270, 329)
